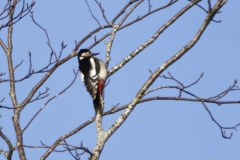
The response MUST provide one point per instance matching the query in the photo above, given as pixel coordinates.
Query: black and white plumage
(94, 75)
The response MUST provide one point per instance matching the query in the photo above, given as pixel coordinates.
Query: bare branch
(114, 109)
(41, 95)
(64, 90)
(150, 41)
(12, 93)
(114, 31)
(28, 146)
(129, 12)
(2, 74)
(133, 22)
(181, 84)
(57, 64)
(141, 92)
(24, 11)
(149, 6)
(31, 70)
(92, 14)
(5, 9)
(8, 142)
(48, 39)
(163, 67)
(18, 65)
(59, 140)
(207, 11)
(66, 147)
(3, 46)
(190, 85)
(5, 107)
(2, 100)
(158, 88)
(222, 94)
(123, 10)
(209, 5)
(103, 11)
(109, 45)
(213, 119)
(30, 64)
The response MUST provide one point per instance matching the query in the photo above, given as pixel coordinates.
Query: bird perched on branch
(94, 75)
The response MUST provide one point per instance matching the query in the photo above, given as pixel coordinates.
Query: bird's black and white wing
(91, 83)
(92, 78)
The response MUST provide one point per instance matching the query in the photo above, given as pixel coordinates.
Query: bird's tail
(98, 103)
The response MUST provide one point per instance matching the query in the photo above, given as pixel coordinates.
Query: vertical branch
(101, 134)
(109, 44)
(114, 31)
(9, 56)
(12, 85)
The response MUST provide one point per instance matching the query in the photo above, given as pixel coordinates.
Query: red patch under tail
(101, 87)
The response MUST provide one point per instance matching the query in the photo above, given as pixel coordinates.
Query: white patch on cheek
(81, 58)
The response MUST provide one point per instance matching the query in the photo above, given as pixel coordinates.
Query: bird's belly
(103, 74)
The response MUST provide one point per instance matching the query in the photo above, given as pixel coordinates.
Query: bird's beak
(94, 54)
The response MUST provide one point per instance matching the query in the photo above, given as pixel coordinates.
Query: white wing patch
(82, 76)
(93, 70)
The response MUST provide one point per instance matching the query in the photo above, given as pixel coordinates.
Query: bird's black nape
(82, 51)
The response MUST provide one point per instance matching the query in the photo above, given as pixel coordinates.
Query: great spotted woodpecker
(94, 75)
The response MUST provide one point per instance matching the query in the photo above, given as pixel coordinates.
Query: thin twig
(50, 101)
(207, 11)
(149, 6)
(103, 11)
(2, 100)
(132, 22)
(123, 10)
(66, 147)
(92, 14)
(23, 12)
(41, 95)
(18, 65)
(222, 94)
(46, 33)
(209, 5)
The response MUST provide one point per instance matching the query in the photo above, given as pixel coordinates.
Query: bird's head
(84, 53)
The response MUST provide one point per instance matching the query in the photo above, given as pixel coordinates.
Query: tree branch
(10, 146)
(92, 14)
(147, 43)
(133, 22)
(163, 67)
(103, 11)
(19, 16)
(3, 46)
(114, 31)
(12, 93)
(123, 10)
(64, 90)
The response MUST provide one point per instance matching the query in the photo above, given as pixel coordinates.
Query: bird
(94, 74)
